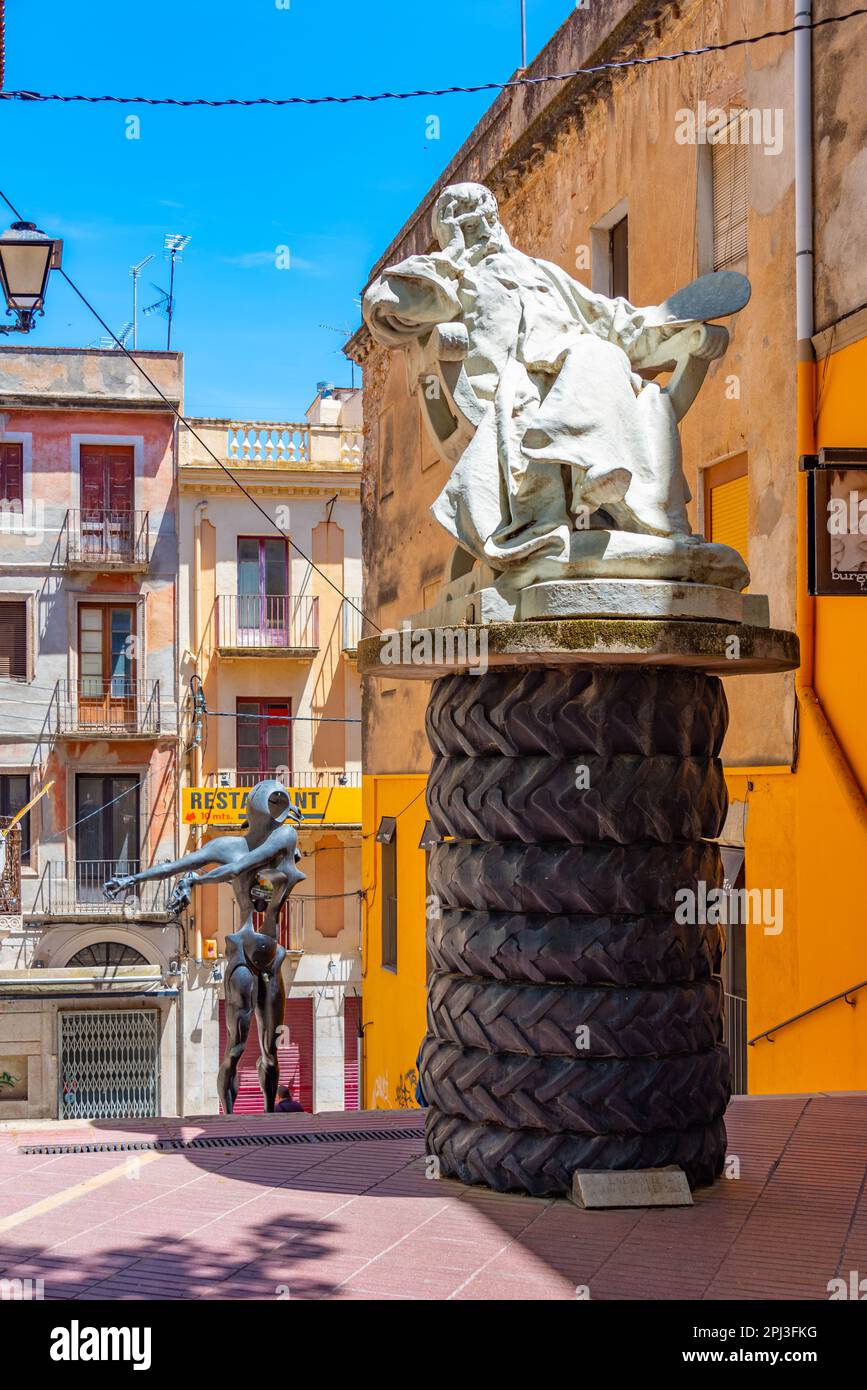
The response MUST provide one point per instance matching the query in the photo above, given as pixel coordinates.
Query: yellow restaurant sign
(226, 805)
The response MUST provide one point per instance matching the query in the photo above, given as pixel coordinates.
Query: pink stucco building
(88, 703)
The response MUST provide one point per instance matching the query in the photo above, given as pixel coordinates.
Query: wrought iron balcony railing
(74, 888)
(105, 539)
(259, 623)
(113, 708)
(353, 623)
(10, 868)
(232, 777)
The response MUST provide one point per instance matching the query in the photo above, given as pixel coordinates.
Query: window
(107, 843)
(263, 733)
(609, 244)
(106, 954)
(263, 587)
(15, 793)
(618, 255)
(107, 479)
(107, 483)
(106, 652)
(386, 836)
(726, 504)
(11, 476)
(262, 566)
(730, 194)
(13, 640)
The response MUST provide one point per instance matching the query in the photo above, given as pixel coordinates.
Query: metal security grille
(108, 1064)
(736, 1041)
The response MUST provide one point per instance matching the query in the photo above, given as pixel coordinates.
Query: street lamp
(26, 257)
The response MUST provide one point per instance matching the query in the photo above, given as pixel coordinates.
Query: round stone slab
(723, 648)
(711, 296)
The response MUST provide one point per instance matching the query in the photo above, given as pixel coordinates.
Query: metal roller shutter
(729, 514)
(294, 1052)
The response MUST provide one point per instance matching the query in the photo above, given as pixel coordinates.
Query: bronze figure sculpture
(261, 866)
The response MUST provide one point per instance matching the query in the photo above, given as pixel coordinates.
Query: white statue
(566, 462)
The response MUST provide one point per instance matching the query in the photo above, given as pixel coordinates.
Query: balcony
(291, 931)
(105, 540)
(113, 708)
(267, 625)
(353, 622)
(230, 777)
(74, 889)
(274, 445)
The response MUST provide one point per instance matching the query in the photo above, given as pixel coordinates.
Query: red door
(263, 734)
(11, 475)
(107, 478)
(351, 1020)
(294, 1052)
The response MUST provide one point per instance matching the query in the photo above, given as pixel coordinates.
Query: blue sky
(333, 184)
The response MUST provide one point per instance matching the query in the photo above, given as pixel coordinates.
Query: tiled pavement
(360, 1220)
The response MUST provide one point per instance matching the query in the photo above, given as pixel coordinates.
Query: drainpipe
(809, 704)
(198, 639)
(804, 280)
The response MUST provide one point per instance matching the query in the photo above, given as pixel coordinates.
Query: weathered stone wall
(560, 157)
(840, 169)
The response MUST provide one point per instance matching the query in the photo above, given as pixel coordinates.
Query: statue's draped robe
(552, 365)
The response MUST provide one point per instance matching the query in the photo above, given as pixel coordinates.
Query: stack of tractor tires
(574, 1020)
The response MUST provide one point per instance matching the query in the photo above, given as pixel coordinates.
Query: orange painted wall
(393, 1002)
(807, 834)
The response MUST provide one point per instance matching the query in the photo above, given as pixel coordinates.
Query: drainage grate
(226, 1141)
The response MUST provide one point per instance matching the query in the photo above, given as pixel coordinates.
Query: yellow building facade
(269, 596)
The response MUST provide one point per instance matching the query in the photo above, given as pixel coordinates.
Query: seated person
(286, 1102)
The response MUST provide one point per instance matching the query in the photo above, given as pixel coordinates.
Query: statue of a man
(262, 869)
(566, 461)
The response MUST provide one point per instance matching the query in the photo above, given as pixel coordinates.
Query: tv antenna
(162, 306)
(135, 271)
(108, 344)
(173, 245)
(345, 331)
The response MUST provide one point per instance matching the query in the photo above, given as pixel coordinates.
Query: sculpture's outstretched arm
(121, 883)
(275, 846)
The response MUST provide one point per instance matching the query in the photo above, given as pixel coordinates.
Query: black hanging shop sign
(836, 521)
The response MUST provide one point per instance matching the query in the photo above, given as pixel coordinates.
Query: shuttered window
(730, 193)
(351, 1022)
(726, 504)
(11, 475)
(13, 641)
